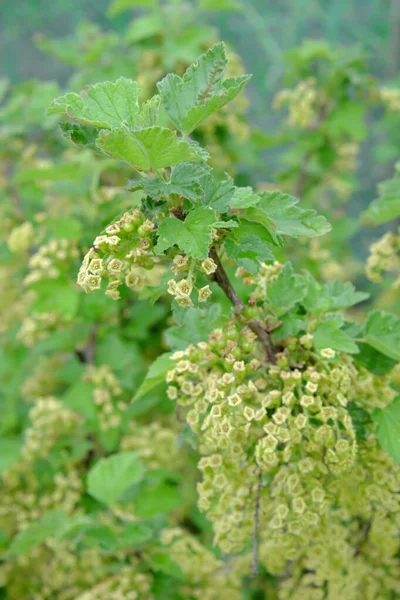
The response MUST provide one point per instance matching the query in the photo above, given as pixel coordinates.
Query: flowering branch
(256, 525)
(221, 278)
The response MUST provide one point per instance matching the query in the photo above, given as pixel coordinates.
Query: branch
(256, 525)
(222, 279)
(87, 354)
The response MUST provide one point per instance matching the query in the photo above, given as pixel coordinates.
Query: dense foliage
(196, 403)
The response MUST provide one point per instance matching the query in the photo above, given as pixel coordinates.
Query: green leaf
(64, 228)
(290, 219)
(144, 27)
(56, 295)
(112, 476)
(226, 224)
(244, 197)
(134, 535)
(388, 428)
(292, 324)
(104, 104)
(185, 182)
(330, 296)
(118, 6)
(195, 326)
(382, 332)
(374, 361)
(157, 498)
(343, 295)
(37, 532)
(80, 135)
(328, 334)
(285, 290)
(220, 5)
(146, 149)
(161, 562)
(9, 452)
(155, 374)
(248, 244)
(201, 91)
(192, 236)
(387, 206)
(217, 194)
(79, 398)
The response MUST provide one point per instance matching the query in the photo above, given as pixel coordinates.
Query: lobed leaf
(155, 375)
(111, 477)
(289, 219)
(387, 206)
(285, 290)
(185, 182)
(201, 91)
(192, 236)
(382, 332)
(329, 334)
(387, 422)
(146, 149)
(249, 244)
(104, 104)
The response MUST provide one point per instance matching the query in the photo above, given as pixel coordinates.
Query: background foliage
(117, 480)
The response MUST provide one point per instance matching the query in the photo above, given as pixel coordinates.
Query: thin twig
(87, 354)
(221, 278)
(256, 525)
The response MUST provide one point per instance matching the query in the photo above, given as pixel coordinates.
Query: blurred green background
(260, 34)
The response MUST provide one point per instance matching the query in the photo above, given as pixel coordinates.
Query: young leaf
(104, 104)
(80, 135)
(37, 532)
(217, 194)
(331, 296)
(387, 206)
(343, 295)
(185, 182)
(248, 244)
(374, 361)
(328, 334)
(285, 290)
(290, 219)
(201, 91)
(292, 324)
(111, 477)
(155, 374)
(146, 149)
(382, 332)
(157, 498)
(244, 197)
(192, 236)
(195, 326)
(388, 428)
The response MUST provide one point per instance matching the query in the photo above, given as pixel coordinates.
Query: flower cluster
(301, 101)
(128, 584)
(123, 254)
(107, 394)
(182, 289)
(384, 256)
(287, 425)
(156, 444)
(51, 260)
(38, 326)
(390, 97)
(205, 575)
(21, 238)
